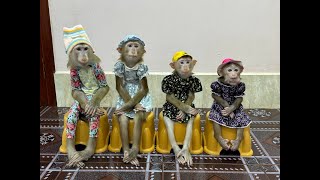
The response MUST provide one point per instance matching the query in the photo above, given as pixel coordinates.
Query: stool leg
(163, 144)
(196, 140)
(245, 146)
(147, 135)
(115, 140)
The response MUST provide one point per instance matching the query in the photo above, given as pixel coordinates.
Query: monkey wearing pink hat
(227, 110)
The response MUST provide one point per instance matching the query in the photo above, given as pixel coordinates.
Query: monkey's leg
(138, 119)
(124, 120)
(185, 149)
(235, 143)
(73, 156)
(217, 134)
(92, 141)
(176, 149)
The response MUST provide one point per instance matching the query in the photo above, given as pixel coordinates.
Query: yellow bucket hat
(179, 54)
(73, 36)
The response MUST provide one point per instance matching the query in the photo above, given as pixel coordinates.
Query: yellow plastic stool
(211, 145)
(147, 135)
(163, 142)
(82, 134)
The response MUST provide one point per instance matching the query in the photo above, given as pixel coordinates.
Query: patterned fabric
(132, 77)
(229, 93)
(174, 84)
(73, 116)
(89, 82)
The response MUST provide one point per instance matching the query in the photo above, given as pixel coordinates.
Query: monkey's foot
(74, 159)
(125, 157)
(235, 144)
(185, 154)
(224, 143)
(176, 150)
(86, 154)
(133, 155)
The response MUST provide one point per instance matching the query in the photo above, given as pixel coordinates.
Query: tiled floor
(264, 164)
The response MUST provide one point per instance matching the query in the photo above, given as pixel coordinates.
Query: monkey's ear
(172, 65)
(119, 49)
(194, 62)
(95, 58)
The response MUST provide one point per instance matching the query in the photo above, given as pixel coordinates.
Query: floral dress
(132, 77)
(174, 84)
(88, 81)
(229, 93)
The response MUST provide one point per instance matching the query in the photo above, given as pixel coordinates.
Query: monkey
(89, 87)
(227, 110)
(134, 100)
(180, 88)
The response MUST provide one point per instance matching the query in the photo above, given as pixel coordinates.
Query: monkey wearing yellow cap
(180, 87)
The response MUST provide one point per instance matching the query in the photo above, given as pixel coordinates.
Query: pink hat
(228, 61)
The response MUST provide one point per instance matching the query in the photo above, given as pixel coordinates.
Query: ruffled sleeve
(143, 71)
(240, 90)
(216, 88)
(75, 80)
(119, 69)
(100, 75)
(196, 85)
(167, 84)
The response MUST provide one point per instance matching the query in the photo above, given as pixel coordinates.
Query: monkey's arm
(235, 105)
(80, 97)
(220, 100)
(143, 90)
(122, 91)
(177, 103)
(99, 95)
(190, 99)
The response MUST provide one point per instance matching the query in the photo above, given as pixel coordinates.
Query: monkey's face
(81, 52)
(231, 74)
(184, 66)
(132, 52)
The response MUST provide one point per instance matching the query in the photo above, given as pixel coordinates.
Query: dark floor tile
(262, 168)
(215, 159)
(42, 108)
(266, 176)
(103, 175)
(55, 113)
(213, 167)
(57, 175)
(50, 140)
(263, 114)
(213, 176)
(45, 159)
(270, 140)
(256, 148)
(265, 125)
(51, 123)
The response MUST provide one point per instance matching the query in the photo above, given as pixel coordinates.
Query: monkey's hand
(227, 111)
(191, 110)
(126, 107)
(232, 115)
(180, 115)
(139, 107)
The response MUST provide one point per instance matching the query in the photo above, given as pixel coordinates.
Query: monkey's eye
(188, 62)
(236, 70)
(229, 70)
(86, 48)
(130, 45)
(136, 46)
(181, 62)
(78, 49)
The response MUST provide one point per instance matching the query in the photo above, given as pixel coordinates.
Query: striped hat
(73, 36)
